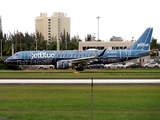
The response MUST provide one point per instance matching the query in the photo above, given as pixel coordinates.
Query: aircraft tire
(51, 68)
(79, 69)
(41, 68)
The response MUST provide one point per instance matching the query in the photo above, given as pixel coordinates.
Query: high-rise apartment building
(52, 26)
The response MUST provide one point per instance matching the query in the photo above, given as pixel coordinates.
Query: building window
(84, 48)
(117, 48)
(100, 48)
(140, 60)
(121, 47)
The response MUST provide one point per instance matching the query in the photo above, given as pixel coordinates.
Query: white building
(52, 26)
(111, 45)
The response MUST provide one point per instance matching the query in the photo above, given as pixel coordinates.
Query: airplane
(78, 59)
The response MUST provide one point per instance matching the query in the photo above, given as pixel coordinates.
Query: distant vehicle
(114, 65)
(107, 65)
(136, 65)
(45, 66)
(127, 65)
(37, 66)
(157, 61)
(95, 66)
(145, 64)
(152, 65)
(120, 65)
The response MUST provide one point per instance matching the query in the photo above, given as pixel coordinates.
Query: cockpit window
(15, 55)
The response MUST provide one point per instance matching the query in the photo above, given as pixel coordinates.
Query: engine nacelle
(63, 65)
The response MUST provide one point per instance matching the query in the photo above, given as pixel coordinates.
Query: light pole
(1, 48)
(12, 48)
(36, 44)
(58, 44)
(98, 27)
(46, 44)
(36, 39)
(132, 38)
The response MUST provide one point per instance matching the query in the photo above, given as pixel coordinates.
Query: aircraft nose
(5, 62)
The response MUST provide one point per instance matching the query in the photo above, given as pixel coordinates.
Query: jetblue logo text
(142, 45)
(43, 55)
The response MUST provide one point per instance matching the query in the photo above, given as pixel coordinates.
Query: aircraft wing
(85, 60)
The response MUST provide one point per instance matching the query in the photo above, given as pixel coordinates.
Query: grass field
(62, 102)
(94, 73)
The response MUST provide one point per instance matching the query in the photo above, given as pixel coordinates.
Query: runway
(79, 81)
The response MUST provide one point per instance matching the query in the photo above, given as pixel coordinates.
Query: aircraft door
(18, 62)
(128, 54)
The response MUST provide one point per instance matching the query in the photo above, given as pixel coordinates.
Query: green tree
(154, 44)
(73, 45)
(65, 39)
(52, 45)
(7, 47)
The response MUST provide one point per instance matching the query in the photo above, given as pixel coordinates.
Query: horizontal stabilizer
(147, 52)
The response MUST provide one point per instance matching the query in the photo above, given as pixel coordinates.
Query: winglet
(102, 53)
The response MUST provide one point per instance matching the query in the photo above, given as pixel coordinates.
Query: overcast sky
(123, 18)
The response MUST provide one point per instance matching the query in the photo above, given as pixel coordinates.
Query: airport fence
(80, 101)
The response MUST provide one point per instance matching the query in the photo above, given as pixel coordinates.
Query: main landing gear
(21, 68)
(79, 68)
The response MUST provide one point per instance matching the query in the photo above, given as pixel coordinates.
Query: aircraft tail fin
(143, 43)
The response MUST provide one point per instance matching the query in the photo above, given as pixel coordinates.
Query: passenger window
(77, 55)
(16, 54)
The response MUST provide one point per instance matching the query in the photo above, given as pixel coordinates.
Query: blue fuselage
(51, 57)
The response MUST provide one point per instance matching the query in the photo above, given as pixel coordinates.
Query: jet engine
(63, 65)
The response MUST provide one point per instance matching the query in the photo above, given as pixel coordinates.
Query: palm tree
(7, 47)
